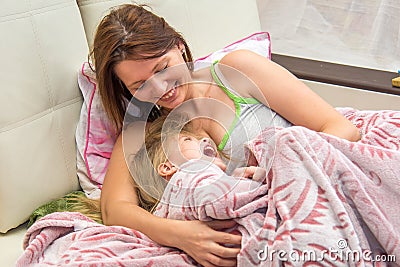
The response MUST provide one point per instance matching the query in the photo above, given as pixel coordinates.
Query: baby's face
(191, 147)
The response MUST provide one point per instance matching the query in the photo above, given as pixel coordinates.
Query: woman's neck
(201, 84)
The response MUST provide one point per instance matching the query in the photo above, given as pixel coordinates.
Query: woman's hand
(205, 243)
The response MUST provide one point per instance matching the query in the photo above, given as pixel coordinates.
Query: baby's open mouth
(209, 151)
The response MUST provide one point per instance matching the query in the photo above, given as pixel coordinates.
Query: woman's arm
(119, 206)
(285, 94)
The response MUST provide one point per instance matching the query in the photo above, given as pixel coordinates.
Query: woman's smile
(173, 97)
(170, 94)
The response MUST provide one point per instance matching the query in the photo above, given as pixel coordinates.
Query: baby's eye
(187, 138)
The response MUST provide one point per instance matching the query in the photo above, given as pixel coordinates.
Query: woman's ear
(166, 170)
(181, 47)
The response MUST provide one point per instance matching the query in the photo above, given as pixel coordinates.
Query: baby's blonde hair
(150, 185)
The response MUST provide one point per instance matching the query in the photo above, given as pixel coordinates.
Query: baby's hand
(255, 173)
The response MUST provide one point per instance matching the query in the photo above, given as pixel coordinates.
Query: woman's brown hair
(132, 32)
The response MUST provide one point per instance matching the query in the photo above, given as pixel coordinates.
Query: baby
(174, 152)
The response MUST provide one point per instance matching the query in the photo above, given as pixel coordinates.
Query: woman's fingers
(229, 239)
(226, 252)
(221, 224)
(207, 244)
(222, 256)
(214, 260)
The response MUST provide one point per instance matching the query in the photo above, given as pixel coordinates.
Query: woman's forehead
(125, 67)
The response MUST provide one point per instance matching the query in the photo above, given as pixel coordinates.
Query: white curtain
(363, 33)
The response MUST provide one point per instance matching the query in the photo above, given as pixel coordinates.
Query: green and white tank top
(251, 118)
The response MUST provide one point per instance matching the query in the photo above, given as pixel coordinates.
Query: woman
(130, 46)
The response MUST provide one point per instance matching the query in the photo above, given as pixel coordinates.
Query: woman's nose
(158, 86)
(152, 90)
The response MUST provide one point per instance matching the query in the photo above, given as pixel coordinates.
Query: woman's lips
(170, 94)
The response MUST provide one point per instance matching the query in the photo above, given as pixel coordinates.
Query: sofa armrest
(43, 44)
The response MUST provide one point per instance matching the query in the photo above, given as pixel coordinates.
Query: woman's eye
(164, 68)
(143, 84)
(137, 88)
(140, 87)
(187, 138)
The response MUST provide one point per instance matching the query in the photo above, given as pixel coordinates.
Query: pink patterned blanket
(326, 201)
(71, 239)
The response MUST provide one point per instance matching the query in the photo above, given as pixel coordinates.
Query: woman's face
(161, 80)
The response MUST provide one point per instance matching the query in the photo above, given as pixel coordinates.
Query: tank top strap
(229, 91)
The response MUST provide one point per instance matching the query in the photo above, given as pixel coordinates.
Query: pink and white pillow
(259, 43)
(95, 136)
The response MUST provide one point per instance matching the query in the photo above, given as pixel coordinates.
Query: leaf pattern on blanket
(71, 239)
(321, 194)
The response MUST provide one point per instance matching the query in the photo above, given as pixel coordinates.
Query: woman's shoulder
(240, 68)
(242, 59)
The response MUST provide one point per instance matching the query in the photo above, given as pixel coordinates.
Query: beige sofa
(44, 44)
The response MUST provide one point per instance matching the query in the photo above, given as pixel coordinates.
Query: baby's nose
(206, 140)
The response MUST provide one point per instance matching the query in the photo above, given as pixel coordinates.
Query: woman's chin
(170, 103)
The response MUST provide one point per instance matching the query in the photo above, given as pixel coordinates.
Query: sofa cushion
(43, 43)
(198, 21)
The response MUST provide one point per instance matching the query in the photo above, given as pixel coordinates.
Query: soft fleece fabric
(321, 193)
